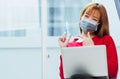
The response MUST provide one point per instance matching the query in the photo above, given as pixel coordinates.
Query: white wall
(53, 62)
(20, 63)
(26, 63)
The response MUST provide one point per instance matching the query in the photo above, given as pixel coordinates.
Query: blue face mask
(88, 25)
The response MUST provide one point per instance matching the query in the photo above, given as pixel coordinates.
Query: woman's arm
(61, 69)
(112, 57)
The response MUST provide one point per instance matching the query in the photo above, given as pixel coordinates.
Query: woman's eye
(86, 16)
(95, 20)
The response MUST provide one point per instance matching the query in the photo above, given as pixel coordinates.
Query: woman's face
(90, 20)
(93, 15)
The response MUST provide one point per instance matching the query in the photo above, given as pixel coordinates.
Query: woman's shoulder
(107, 39)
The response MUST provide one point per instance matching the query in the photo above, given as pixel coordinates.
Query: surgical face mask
(88, 25)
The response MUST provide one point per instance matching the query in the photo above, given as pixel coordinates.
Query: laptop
(86, 60)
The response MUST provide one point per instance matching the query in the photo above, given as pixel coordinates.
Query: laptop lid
(90, 60)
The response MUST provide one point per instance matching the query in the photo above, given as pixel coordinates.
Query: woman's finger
(82, 33)
(80, 36)
(88, 35)
(64, 36)
(68, 39)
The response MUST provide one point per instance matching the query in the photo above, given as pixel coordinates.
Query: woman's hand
(87, 40)
(63, 41)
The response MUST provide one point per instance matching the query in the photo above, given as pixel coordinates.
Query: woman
(95, 31)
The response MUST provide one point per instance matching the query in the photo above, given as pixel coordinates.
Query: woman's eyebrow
(87, 13)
